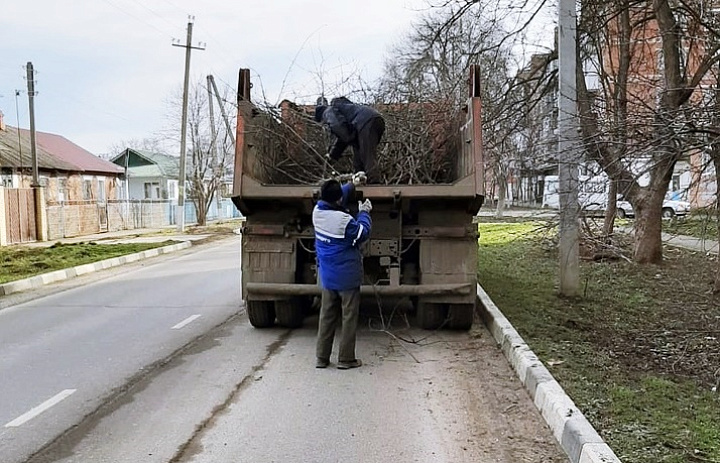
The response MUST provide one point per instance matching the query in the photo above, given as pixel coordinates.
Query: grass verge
(700, 223)
(638, 352)
(18, 262)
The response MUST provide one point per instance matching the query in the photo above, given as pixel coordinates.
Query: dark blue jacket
(338, 236)
(345, 120)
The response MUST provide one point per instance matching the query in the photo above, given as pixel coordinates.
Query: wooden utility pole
(183, 131)
(567, 150)
(31, 101)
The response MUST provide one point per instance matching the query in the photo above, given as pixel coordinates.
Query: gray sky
(106, 67)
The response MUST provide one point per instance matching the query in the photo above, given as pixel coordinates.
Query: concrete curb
(572, 430)
(60, 275)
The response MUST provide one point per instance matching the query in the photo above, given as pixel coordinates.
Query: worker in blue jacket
(353, 125)
(338, 236)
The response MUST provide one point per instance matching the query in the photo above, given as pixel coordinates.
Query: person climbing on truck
(338, 236)
(355, 125)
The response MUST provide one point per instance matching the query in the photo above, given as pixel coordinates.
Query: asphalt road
(119, 369)
(70, 351)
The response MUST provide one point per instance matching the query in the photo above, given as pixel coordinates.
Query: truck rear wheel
(460, 316)
(261, 313)
(431, 316)
(290, 313)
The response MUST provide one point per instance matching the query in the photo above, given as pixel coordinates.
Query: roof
(67, 151)
(147, 164)
(15, 151)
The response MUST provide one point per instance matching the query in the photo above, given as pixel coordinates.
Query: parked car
(670, 208)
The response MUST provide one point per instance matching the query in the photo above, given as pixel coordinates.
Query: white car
(670, 208)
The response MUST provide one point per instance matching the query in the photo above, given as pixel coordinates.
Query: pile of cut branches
(421, 145)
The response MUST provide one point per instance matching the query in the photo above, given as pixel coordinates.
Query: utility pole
(213, 132)
(31, 100)
(567, 150)
(183, 131)
(17, 116)
(213, 143)
(222, 110)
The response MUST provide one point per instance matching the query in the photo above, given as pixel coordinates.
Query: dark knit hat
(319, 111)
(331, 191)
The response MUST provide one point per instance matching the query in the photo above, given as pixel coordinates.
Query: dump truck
(423, 245)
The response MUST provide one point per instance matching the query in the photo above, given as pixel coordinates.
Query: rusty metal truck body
(423, 243)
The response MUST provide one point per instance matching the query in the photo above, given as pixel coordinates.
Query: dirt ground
(680, 337)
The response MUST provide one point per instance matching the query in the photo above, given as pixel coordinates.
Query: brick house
(75, 186)
(91, 178)
(693, 177)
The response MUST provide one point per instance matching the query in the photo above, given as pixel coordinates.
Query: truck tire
(460, 316)
(431, 316)
(289, 313)
(261, 313)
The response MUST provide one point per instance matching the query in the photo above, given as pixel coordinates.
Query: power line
(155, 13)
(137, 18)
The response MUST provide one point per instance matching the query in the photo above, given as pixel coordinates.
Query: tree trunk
(648, 227)
(610, 210)
(502, 193)
(201, 212)
(716, 162)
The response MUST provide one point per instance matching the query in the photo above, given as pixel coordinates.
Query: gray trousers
(365, 148)
(338, 306)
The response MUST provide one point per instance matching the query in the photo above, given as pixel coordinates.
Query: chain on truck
(423, 244)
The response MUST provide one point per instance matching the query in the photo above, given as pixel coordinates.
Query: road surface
(122, 369)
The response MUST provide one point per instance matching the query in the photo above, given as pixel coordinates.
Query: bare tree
(432, 63)
(650, 126)
(207, 158)
(153, 144)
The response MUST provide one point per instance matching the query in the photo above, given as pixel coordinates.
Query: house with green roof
(148, 175)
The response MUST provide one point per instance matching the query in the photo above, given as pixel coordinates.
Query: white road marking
(187, 321)
(22, 419)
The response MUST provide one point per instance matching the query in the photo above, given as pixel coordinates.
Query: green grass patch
(18, 262)
(638, 351)
(701, 223)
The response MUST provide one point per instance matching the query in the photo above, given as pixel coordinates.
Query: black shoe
(347, 365)
(322, 363)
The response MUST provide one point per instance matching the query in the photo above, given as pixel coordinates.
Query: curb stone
(60, 275)
(571, 429)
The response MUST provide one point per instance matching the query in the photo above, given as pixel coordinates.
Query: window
(62, 189)
(152, 190)
(101, 190)
(87, 190)
(7, 178)
(172, 190)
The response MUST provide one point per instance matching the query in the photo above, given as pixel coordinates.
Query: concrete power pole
(31, 101)
(180, 216)
(222, 110)
(213, 132)
(213, 142)
(567, 150)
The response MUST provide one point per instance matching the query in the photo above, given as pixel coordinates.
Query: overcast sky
(106, 67)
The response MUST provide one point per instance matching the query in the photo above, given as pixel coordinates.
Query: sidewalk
(138, 235)
(682, 241)
(691, 243)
